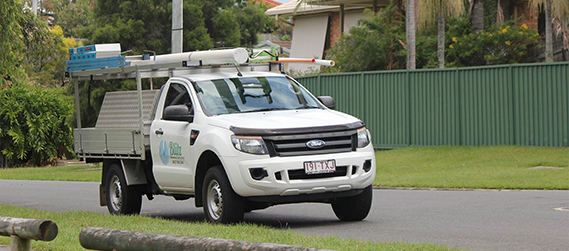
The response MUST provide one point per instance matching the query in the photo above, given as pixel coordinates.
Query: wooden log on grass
(110, 239)
(29, 229)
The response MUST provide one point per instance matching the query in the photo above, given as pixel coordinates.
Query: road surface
(475, 220)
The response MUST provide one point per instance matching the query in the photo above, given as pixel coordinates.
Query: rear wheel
(355, 208)
(220, 203)
(121, 199)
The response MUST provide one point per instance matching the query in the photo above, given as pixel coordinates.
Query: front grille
(296, 145)
(300, 174)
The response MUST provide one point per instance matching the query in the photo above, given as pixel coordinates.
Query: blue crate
(91, 63)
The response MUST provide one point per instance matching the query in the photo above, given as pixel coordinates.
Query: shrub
(377, 44)
(33, 128)
(503, 44)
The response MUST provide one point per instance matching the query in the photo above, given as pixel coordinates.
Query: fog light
(258, 173)
(367, 165)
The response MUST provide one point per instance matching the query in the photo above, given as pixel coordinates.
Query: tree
(376, 44)
(225, 32)
(196, 36)
(137, 25)
(146, 25)
(239, 24)
(553, 9)
(71, 16)
(431, 10)
(11, 43)
(45, 55)
(252, 21)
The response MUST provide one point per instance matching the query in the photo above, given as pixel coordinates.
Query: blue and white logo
(164, 152)
(315, 144)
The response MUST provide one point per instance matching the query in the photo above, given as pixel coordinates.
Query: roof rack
(106, 61)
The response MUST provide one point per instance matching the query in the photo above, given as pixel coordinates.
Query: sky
(283, 1)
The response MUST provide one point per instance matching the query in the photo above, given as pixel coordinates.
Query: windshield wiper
(266, 109)
(307, 107)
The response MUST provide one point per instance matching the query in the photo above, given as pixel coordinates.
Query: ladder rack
(86, 63)
(166, 70)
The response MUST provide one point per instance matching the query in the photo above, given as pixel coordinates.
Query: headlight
(247, 144)
(364, 137)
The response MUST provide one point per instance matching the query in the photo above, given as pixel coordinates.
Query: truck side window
(178, 95)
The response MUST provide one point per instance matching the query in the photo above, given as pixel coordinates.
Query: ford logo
(315, 144)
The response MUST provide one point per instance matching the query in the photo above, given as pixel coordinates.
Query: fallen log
(110, 239)
(41, 230)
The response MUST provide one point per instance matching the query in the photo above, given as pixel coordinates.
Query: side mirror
(178, 113)
(327, 101)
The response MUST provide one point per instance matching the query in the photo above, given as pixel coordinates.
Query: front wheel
(355, 208)
(121, 199)
(220, 203)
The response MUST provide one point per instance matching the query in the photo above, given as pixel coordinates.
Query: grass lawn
(60, 173)
(71, 223)
(485, 167)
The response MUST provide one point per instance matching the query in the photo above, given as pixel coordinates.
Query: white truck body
(235, 140)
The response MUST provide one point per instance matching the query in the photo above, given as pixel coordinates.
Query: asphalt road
(475, 220)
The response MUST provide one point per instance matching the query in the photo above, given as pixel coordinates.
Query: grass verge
(485, 167)
(71, 223)
(60, 173)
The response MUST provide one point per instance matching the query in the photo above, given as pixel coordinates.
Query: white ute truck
(232, 134)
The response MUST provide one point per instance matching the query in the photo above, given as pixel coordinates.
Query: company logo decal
(315, 144)
(164, 153)
(171, 151)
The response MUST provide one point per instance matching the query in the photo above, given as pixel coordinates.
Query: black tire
(355, 208)
(121, 199)
(221, 204)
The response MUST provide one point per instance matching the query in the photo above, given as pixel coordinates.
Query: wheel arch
(207, 160)
(133, 170)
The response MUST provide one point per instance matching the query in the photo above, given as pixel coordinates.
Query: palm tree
(411, 33)
(503, 12)
(431, 10)
(553, 8)
(477, 14)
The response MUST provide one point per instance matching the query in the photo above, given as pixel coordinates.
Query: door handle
(159, 132)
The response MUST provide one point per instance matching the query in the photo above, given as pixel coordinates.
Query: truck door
(170, 142)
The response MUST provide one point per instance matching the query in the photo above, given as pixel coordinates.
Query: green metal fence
(525, 104)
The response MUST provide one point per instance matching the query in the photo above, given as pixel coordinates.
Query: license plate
(316, 167)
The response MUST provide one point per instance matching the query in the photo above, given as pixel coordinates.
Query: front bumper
(286, 174)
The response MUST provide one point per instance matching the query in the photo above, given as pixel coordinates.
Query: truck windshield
(255, 94)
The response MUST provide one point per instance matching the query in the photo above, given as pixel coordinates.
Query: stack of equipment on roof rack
(98, 56)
